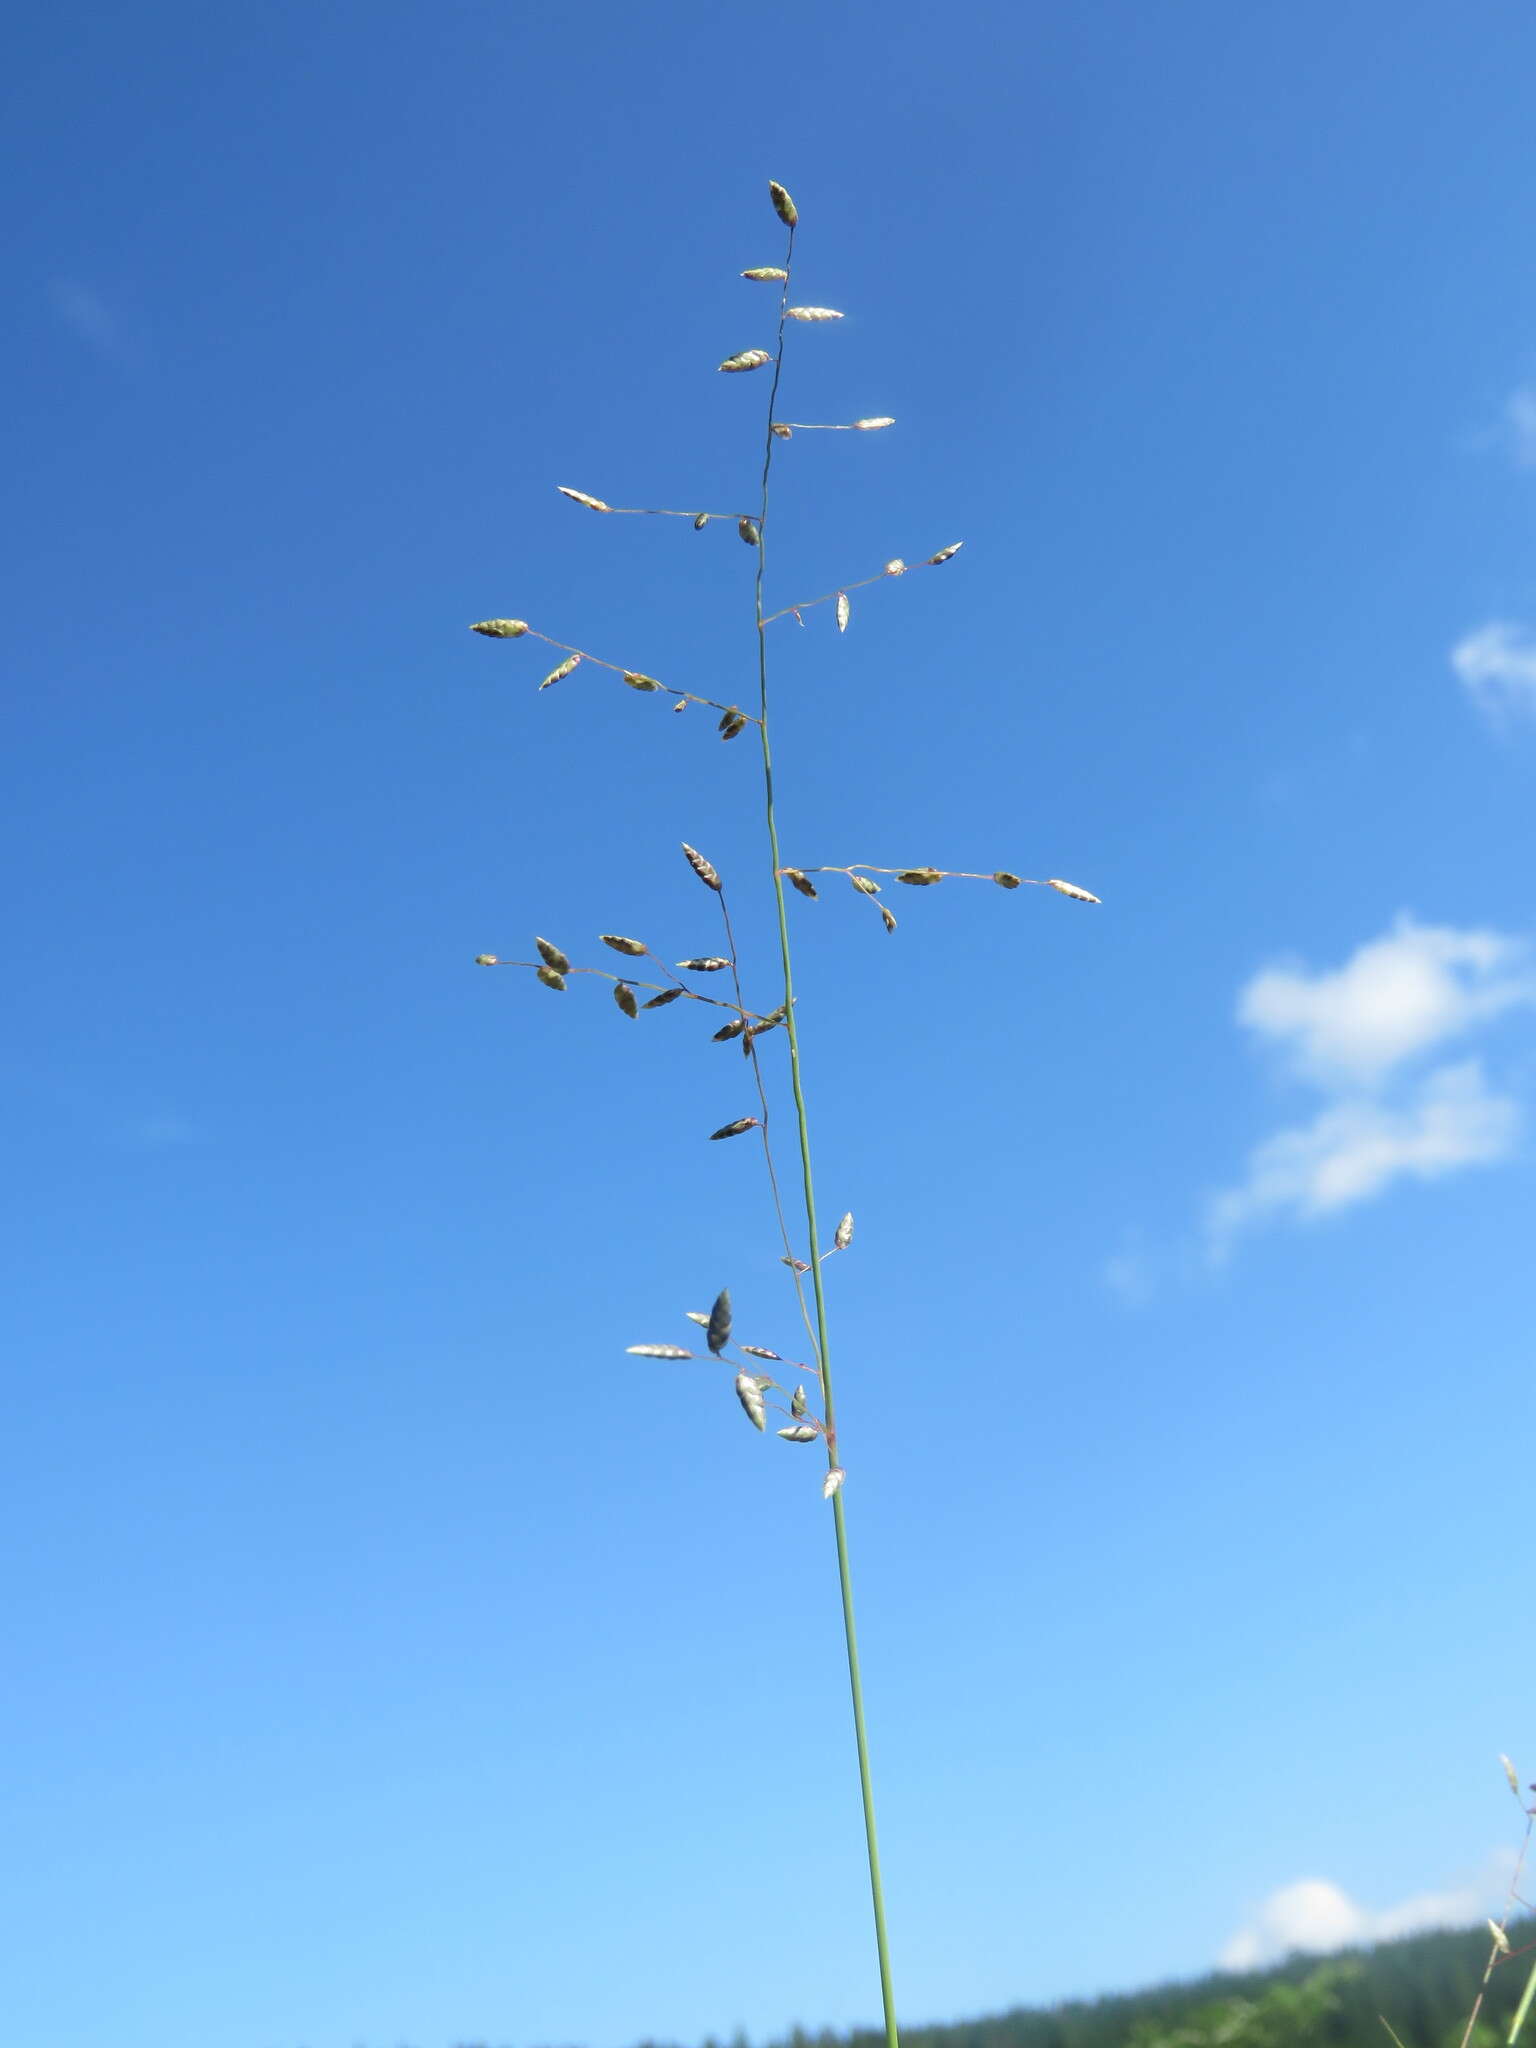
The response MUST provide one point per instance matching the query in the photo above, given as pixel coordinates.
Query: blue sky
(393, 1659)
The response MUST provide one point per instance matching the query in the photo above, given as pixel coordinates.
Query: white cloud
(1393, 998)
(1317, 1916)
(1520, 420)
(1497, 667)
(1356, 1033)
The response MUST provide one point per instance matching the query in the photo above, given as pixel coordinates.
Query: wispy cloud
(1520, 425)
(1497, 667)
(1316, 1916)
(1360, 1034)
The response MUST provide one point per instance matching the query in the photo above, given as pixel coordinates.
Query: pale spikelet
(717, 1323)
(783, 205)
(780, 432)
(843, 1236)
(920, 878)
(864, 885)
(558, 675)
(797, 1401)
(1006, 881)
(762, 1351)
(501, 629)
(486, 960)
(550, 978)
(832, 1482)
(748, 529)
(800, 1433)
(624, 996)
(887, 918)
(698, 1316)
(799, 881)
(844, 610)
(766, 275)
(636, 681)
(750, 1395)
(795, 1265)
(701, 867)
(552, 956)
(583, 498)
(700, 521)
(657, 1351)
(681, 704)
(1500, 1938)
(811, 313)
(732, 1030)
(867, 426)
(946, 554)
(896, 567)
(668, 995)
(710, 963)
(1510, 1773)
(749, 359)
(1071, 889)
(633, 947)
(742, 1123)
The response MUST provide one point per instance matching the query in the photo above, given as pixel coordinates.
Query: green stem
(876, 1888)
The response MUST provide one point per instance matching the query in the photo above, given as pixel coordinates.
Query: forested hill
(1423, 1986)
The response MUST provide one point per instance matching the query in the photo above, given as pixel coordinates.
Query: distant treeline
(1422, 1986)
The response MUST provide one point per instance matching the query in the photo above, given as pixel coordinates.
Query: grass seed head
(583, 498)
(750, 1395)
(799, 881)
(733, 723)
(867, 426)
(896, 567)
(551, 979)
(710, 963)
(946, 554)
(800, 1433)
(552, 956)
(624, 996)
(657, 1351)
(843, 1237)
(844, 608)
(811, 313)
(717, 1323)
(700, 521)
(832, 1482)
(704, 869)
(1071, 889)
(766, 275)
(501, 629)
(731, 1030)
(920, 878)
(797, 1401)
(762, 1351)
(558, 675)
(749, 359)
(1006, 881)
(749, 531)
(742, 1123)
(783, 205)
(887, 918)
(1512, 1775)
(668, 995)
(486, 960)
(633, 947)
(864, 885)
(636, 681)
(780, 432)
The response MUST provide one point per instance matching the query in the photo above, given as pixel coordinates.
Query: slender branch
(856, 1687)
(888, 574)
(618, 669)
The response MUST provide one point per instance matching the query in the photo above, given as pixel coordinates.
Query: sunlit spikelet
(558, 675)
(887, 918)
(896, 567)
(624, 996)
(844, 611)
(742, 1123)
(843, 1236)
(783, 205)
(708, 963)
(1004, 880)
(811, 313)
(551, 978)
(1071, 889)
(583, 498)
(749, 359)
(633, 947)
(799, 881)
(832, 1482)
(501, 629)
(749, 1394)
(780, 431)
(552, 956)
(920, 878)
(637, 681)
(657, 1351)
(867, 426)
(704, 869)
(766, 275)
(748, 529)
(946, 554)
(800, 1433)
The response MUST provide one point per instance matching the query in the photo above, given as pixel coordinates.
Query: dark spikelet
(797, 1402)
(668, 995)
(783, 205)
(799, 881)
(701, 867)
(732, 1030)
(633, 947)
(946, 554)
(700, 522)
(747, 528)
(742, 1123)
(887, 919)
(624, 996)
(552, 956)
(762, 1351)
(550, 978)
(920, 878)
(735, 723)
(717, 1329)
(1006, 881)
(710, 964)
(781, 432)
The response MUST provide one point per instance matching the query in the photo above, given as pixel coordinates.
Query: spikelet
(1071, 889)
(636, 681)
(1006, 881)
(799, 881)
(844, 608)
(843, 1236)
(558, 675)
(750, 1395)
(731, 1030)
(866, 426)
(749, 531)
(717, 1324)
(551, 979)
(1510, 1773)
(767, 275)
(501, 629)
(710, 963)
(701, 867)
(920, 878)
(795, 1265)
(797, 1401)
(832, 1482)
(624, 996)
(800, 1433)
(697, 1316)
(864, 885)
(783, 205)
(552, 956)
(749, 359)
(668, 995)
(486, 960)
(896, 567)
(887, 918)
(946, 554)
(633, 947)
(742, 1123)
(734, 722)
(811, 313)
(583, 498)
(1500, 1938)
(779, 431)
(657, 1351)
(700, 521)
